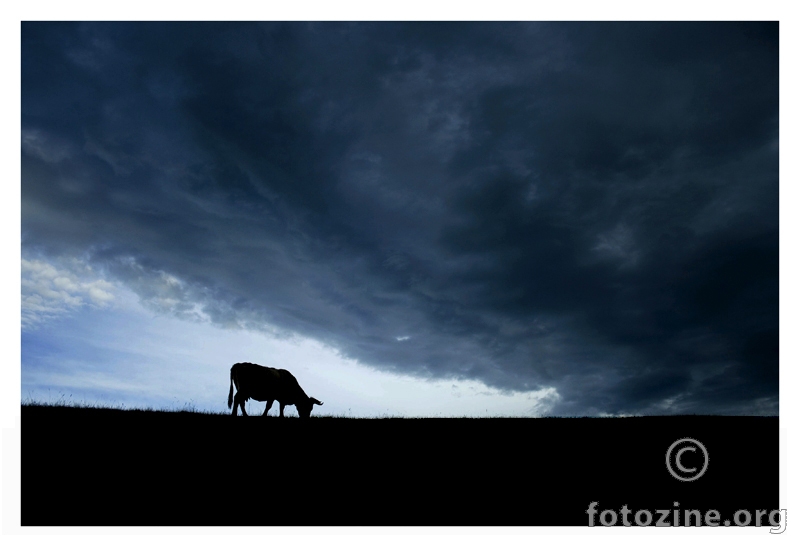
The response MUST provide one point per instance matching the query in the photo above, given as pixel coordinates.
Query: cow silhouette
(268, 384)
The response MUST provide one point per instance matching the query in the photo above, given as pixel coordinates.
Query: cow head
(304, 408)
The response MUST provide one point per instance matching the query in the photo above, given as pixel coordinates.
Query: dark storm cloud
(587, 206)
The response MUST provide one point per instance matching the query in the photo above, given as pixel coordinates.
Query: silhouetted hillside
(117, 467)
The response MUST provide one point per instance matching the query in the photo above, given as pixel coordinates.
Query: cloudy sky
(414, 218)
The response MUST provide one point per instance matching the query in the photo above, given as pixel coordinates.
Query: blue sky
(416, 219)
(110, 350)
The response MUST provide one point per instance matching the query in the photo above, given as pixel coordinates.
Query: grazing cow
(268, 384)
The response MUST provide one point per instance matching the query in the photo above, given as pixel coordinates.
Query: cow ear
(313, 400)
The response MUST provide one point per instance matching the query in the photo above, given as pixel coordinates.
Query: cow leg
(235, 404)
(282, 405)
(239, 400)
(269, 405)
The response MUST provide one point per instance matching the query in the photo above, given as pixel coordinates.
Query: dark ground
(129, 468)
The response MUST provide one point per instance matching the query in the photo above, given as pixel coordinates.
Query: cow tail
(230, 393)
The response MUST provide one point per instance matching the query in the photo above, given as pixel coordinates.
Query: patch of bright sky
(88, 340)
